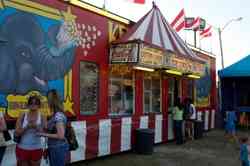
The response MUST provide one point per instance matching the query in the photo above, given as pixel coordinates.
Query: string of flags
(182, 22)
(137, 1)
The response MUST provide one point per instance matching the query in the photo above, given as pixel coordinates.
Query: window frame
(110, 81)
(151, 95)
(97, 111)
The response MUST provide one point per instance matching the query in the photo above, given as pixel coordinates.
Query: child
(230, 124)
(244, 151)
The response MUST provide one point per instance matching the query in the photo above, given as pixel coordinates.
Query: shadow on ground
(212, 150)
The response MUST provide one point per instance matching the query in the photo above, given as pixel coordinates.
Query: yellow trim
(98, 11)
(143, 68)
(173, 72)
(1, 4)
(193, 76)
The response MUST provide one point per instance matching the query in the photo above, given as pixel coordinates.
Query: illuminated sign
(151, 56)
(183, 64)
(124, 53)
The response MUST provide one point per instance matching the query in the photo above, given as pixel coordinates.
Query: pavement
(212, 150)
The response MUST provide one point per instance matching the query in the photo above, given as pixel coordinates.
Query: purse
(6, 135)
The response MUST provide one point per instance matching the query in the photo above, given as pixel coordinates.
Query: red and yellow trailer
(66, 45)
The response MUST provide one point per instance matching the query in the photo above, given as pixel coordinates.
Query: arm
(60, 131)
(19, 129)
(2, 123)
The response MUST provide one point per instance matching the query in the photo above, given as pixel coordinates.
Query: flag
(193, 24)
(137, 1)
(206, 32)
(179, 21)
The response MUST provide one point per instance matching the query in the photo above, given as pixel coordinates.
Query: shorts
(28, 155)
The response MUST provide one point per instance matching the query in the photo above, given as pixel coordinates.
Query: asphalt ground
(214, 149)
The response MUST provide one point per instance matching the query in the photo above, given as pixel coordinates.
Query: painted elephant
(31, 57)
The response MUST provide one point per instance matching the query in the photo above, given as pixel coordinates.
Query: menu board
(151, 56)
(89, 86)
(123, 53)
(183, 64)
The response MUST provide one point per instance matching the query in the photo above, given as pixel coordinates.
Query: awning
(238, 69)
(153, 42)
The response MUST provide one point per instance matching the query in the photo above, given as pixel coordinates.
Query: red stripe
(139, 1)
(149, 33)
(169, 35)
(92, 139)
(134, 28)
(151, 121)
(178, 17)
(205, 31)
(135, 125)
(158, 14)
(180, 26)
(193, 24)
(164, 110)
(116, 136)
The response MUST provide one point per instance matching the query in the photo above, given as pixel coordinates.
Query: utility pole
(221, 49)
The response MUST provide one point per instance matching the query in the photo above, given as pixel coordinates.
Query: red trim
(116, 135)
(151, 121)
(148, 37)
(138, 93)
(135, 125)
(92, 139)
(164, 110)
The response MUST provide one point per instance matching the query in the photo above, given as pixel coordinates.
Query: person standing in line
(29, 146)
(58, 147)
(230, 124)
(178, 121)
(244, 151)
(192, 118)
(3, 127)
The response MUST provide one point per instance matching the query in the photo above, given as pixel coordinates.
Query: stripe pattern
(154, 29)
(109, 136)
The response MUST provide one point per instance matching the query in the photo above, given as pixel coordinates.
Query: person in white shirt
(2, 140)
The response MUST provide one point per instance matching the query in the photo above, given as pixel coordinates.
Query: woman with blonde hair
(58, 147)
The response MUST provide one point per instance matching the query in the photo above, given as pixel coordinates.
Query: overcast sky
(235, 36)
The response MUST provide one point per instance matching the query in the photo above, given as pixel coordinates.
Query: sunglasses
(34, 102)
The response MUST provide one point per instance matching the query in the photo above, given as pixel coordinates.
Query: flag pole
(104, 5)
(195, 38)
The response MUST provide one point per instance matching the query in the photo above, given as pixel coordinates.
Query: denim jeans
(178, 131)
(2, 150)
(245, 163)
(57, 154)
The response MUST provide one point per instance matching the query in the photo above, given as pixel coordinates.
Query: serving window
(152, 92)
(121, 90)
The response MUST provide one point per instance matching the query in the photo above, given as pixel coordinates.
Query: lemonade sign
(18, 104)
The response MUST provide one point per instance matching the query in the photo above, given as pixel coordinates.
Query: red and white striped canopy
(155, 30)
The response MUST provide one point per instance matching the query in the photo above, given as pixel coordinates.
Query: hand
(40, 134)
(32, 125)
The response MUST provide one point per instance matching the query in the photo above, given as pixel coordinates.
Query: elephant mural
(31, 56)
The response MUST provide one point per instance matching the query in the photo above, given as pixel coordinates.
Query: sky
(235, 37)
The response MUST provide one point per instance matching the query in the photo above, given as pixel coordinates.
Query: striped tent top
(153, 29)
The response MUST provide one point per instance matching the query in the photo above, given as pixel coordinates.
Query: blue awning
(238, 69)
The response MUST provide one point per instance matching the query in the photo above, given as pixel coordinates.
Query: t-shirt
(2, 140)
(177, 113)
(243, 152)
(192, 111)
(58, 117)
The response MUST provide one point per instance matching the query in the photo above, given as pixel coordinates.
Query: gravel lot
(212, 150)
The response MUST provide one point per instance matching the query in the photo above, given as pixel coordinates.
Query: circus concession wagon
(113, 76)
